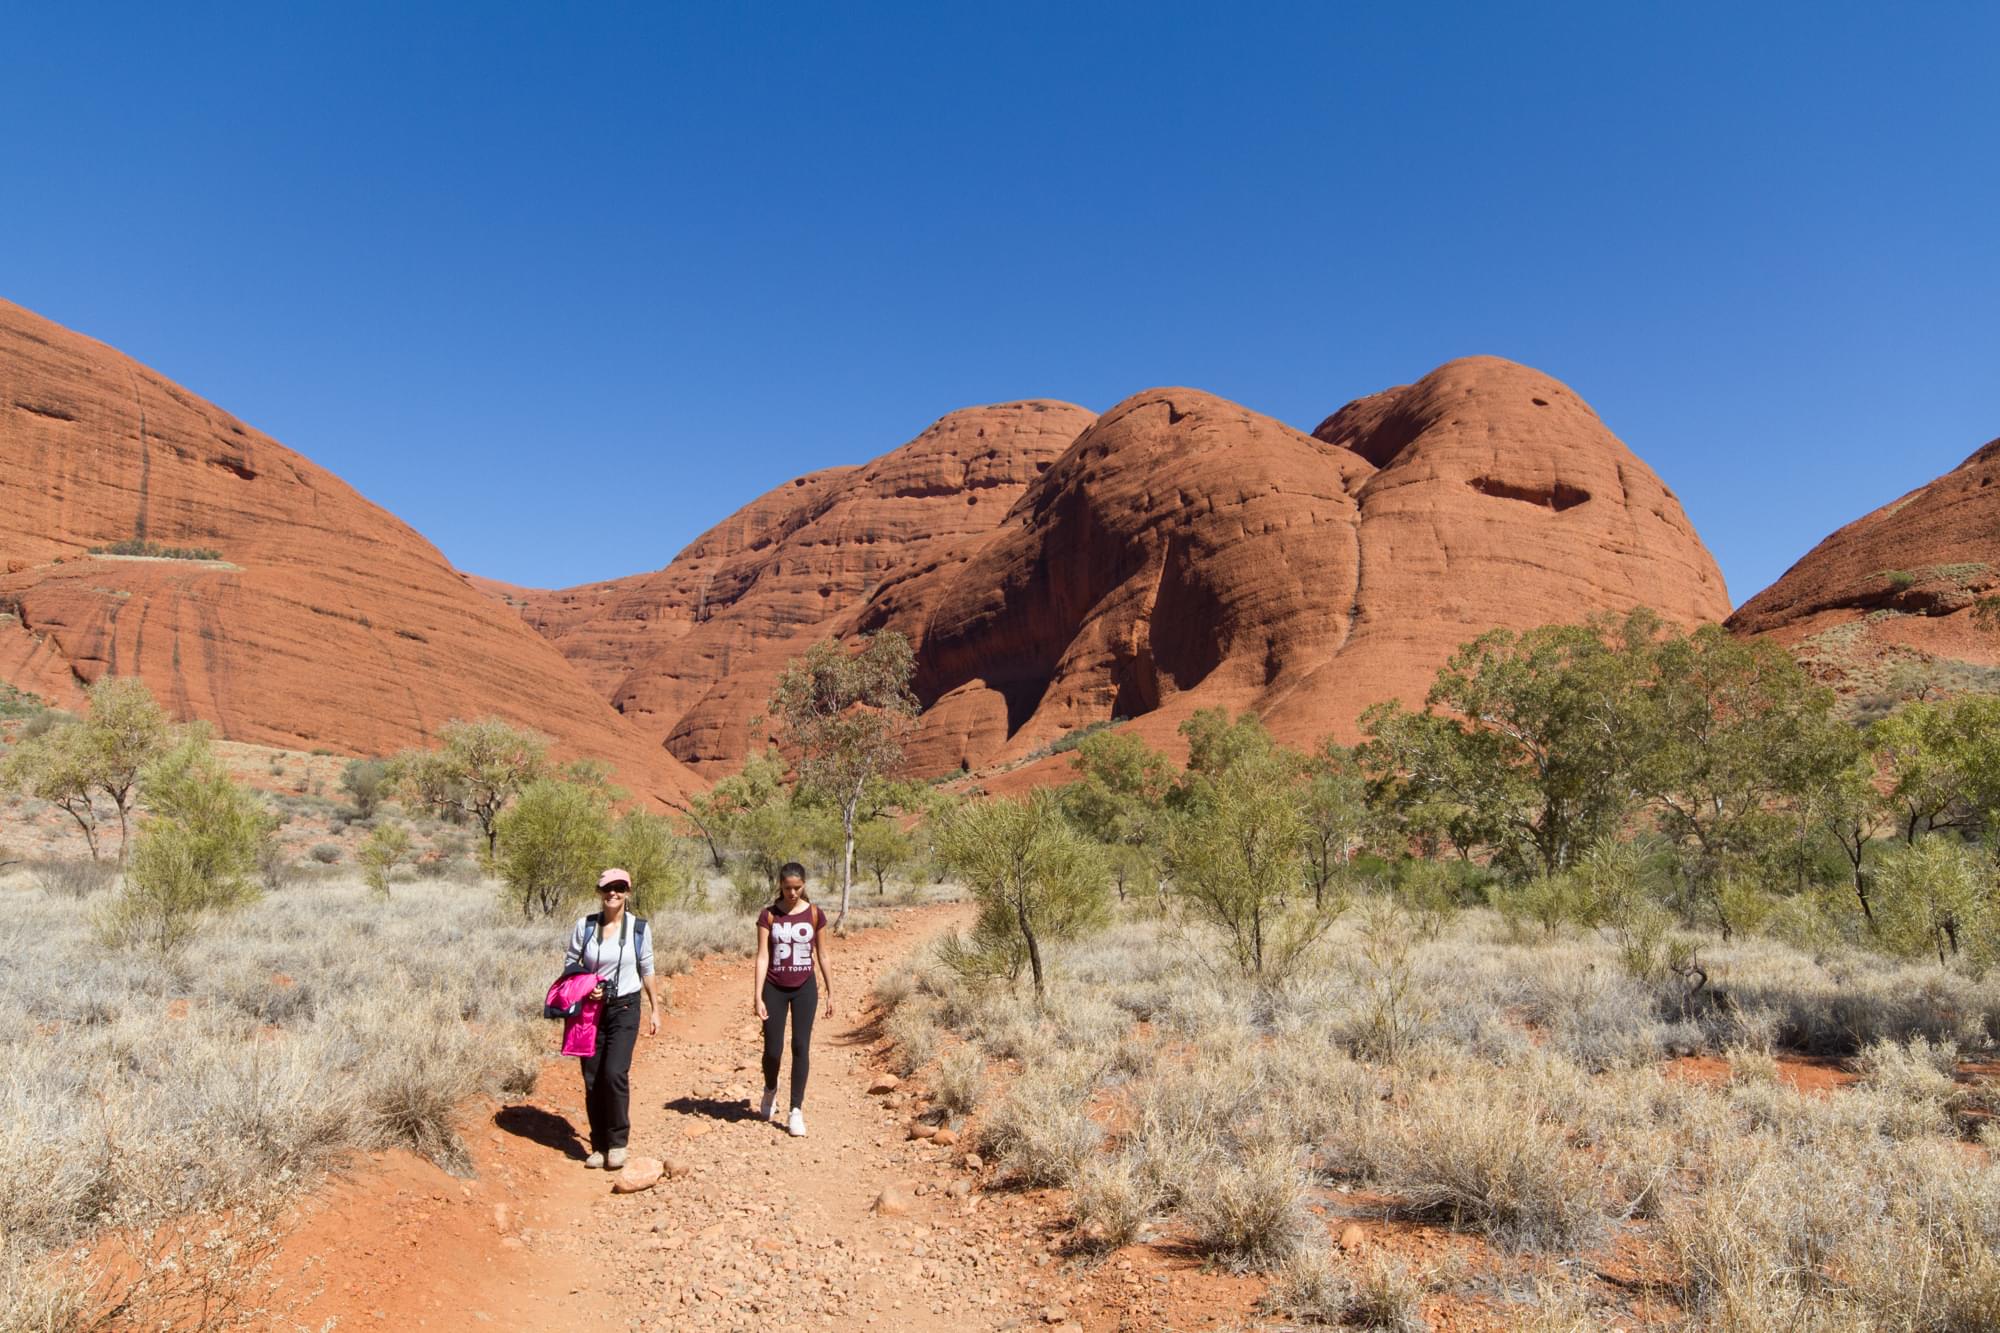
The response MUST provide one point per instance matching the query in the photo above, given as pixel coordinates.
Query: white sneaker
(615, 1160)
(594, 1161)
(769, 1110)
(796, 1126)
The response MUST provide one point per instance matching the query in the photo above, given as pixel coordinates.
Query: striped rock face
(325, 621)
(1896, 586)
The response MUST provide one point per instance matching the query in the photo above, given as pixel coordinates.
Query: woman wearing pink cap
(616, 945)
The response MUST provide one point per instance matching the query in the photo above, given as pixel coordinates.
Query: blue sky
(563, 285)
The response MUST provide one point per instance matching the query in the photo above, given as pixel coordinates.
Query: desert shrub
(913, 1030)
(960, 1081)
(1249, 1211)
(1037, 881)
(1038, 1133)
(366, 782)
(196, 856)
(1482, 1158)
(1936, 897)
(1382, 1294)
(1112, 1199)
(387, 847)
(326, 853)
(664, 868)
(553, 841)
(276, 870)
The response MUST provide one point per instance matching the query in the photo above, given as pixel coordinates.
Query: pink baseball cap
(614, 876)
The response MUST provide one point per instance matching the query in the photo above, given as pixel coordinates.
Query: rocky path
(751, 1229)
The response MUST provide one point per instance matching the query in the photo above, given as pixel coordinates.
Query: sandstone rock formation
(1186, 552)
(690, 653)
(1898, 582)
(326, 622)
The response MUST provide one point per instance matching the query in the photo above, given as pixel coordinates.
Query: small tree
(365, 781)
(882, 848)
(125, 730)
(1036, 880)
(554, 840)
(387, 847)
(1936, 895)
(664, 868)
(195, 855)
(720, 813)
(71, 765)
(1234, 846)
(844, 716)
(1336, 814)
(476, 770)
(56, 767)
(1119, 800)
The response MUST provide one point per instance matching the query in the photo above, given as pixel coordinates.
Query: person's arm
(763, 965)
(648, 981)
(819, 961)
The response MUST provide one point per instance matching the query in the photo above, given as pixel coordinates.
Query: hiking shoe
(594, 1161)
(615, 1160)
(796, 1126)
(769, 1111)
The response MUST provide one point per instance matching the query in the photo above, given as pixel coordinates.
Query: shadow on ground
(710, 1108)
(539, 1126)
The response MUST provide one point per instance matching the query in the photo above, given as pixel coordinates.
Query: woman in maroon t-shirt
(791, 947)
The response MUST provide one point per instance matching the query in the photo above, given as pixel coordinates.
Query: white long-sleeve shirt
(626, 960)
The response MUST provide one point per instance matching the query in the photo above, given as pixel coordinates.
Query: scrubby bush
(196, 854)
(554, 841)
(366, 782)
(1036, 880)
(960, 1081)
(325, 853)
(388, 847)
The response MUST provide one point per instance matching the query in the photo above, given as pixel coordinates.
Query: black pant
(607, 1074)
(803, 1003)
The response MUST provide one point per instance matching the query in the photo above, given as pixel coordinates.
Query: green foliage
(1337, 818)
(883, 848)
(1234, 845)
(1936, 896)
(1550, 903)
(1035, 878)
(477, 768)
(388, 846)
(1521, 743)
(73, 765)
(365, 781)
(196, 854)
(1942, 762)
(844, 715)
(665, 869)
(1118, 800)
(553, 842)
(153, 550)
(1428, 891)
(1732, 731)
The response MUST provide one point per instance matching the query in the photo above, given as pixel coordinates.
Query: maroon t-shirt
(791, 945)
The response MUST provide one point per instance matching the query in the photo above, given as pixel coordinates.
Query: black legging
(803, 1002)
(607, 1074)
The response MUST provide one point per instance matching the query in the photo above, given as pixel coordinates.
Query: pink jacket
(579, 1031)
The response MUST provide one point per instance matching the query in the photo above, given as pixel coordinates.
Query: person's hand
(829, 1006)
(597, 993)
(762, 1012)
(653, 1029)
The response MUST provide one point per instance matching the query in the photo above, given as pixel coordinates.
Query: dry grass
(1513, 1087)
(137, 1093)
